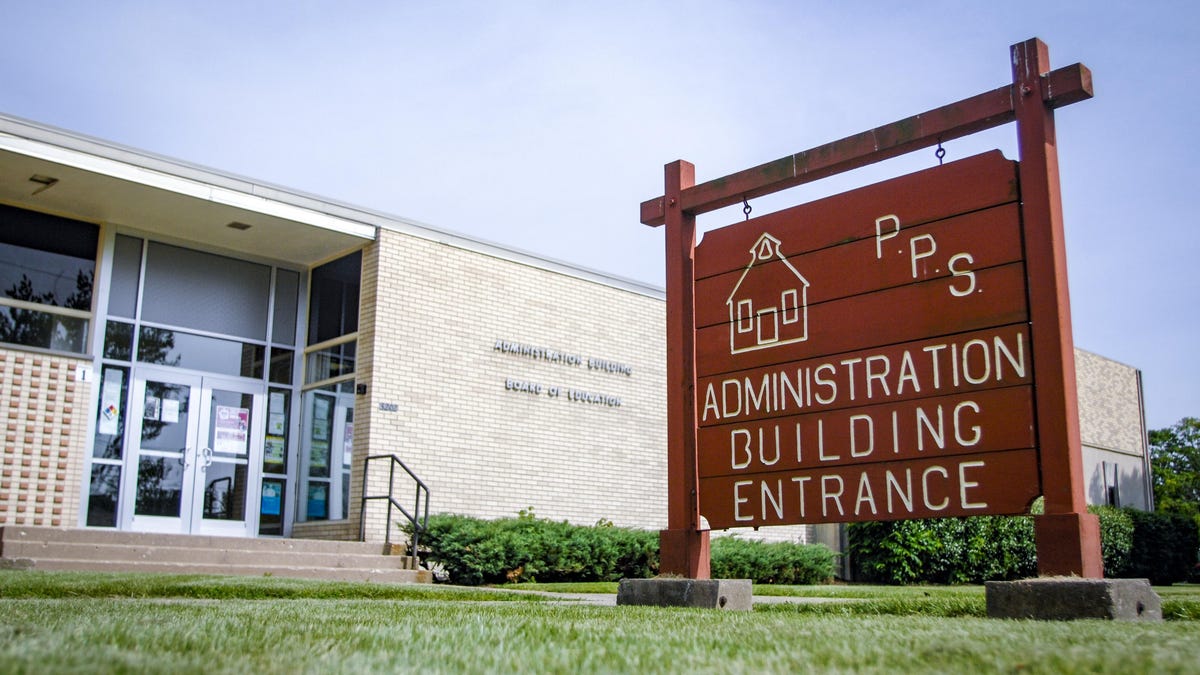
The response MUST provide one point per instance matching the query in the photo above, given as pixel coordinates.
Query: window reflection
(281, 365)
(31, 328)
(225, 491)
(118, 341)
(159, 486)
(104, 495)
(200, 352)
(331, 362)
(48, 261)
(333, 298)
(109, 441)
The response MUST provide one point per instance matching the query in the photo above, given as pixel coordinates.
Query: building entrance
(197, 453)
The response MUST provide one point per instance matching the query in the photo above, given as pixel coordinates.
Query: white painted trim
(183, 186)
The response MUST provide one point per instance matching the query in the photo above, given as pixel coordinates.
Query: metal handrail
(419, 526)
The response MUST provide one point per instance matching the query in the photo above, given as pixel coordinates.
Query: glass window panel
(109, 441)
(320, 437)
(159, 486)
(199, 352)
(275, 453)
(331, 362)
(44, 330)
(317, 507)
(103, 495)
(167, 432)
(270, 518)
(333, 299)
(46, 259)
(282, 361)
(205, 291)
(127, 268)
(225, 491)
(253, 359)
(346, 492)
(287, 290)
(118, 341)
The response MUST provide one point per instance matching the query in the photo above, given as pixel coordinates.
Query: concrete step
(210, 556)
(12, 533)
(391, 576)
(110, 550)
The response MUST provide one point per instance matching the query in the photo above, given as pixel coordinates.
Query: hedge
(1164, 547)
(472, 551)
(1134, 544)
(771, 563)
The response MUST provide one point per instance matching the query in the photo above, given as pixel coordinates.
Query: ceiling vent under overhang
(44, 182)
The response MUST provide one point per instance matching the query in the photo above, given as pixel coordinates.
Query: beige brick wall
(1112, 430)
(1110, 414)
(45, 424)
(335, 530)
(431, 316)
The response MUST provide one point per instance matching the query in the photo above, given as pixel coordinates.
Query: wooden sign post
(900, 351)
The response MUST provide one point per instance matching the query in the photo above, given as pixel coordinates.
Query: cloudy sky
(542, 125)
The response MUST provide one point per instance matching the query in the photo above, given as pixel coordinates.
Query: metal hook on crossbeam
(746, 207)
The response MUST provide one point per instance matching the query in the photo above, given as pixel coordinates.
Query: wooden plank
(902, 314)
(985, 421)
(1061, 458)
(899, 256)
(683, 547)
(969, 184)
(1067, 85)
(962, 118)
(963, 485)
(992, 358)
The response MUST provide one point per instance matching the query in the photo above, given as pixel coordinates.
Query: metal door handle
(206, 455)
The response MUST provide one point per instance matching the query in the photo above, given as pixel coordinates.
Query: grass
(58, 622)
(33, 584)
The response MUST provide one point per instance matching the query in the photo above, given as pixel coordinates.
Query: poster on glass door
(231, 430)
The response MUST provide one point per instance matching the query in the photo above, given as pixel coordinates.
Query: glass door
(198, 456)
(230, 459)
(165, 429)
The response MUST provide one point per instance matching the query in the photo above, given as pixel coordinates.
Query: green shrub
(1164, 547)
(473, 551)
(943, 550)
(891, 552)
(1133, 543)
(1116, 539)
(771, 563)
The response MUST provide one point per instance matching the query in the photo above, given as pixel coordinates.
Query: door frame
(191, 520)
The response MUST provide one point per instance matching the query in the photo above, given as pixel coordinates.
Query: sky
(542, 126)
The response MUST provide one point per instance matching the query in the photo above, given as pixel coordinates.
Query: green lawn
(125, 623)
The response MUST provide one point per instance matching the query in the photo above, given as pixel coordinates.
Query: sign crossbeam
(997, 107)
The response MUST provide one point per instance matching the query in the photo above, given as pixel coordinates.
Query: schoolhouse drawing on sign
(769, 304)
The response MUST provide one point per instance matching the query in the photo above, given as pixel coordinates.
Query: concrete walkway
(610, 599)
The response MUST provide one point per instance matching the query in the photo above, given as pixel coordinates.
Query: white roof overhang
(103, 183)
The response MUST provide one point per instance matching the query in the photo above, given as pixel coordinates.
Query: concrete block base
(1069, 598)
(727, 594)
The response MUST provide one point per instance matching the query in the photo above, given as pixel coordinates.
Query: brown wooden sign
(853, 337)
(900, 351)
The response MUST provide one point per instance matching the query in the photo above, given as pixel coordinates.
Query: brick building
(185, 351)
